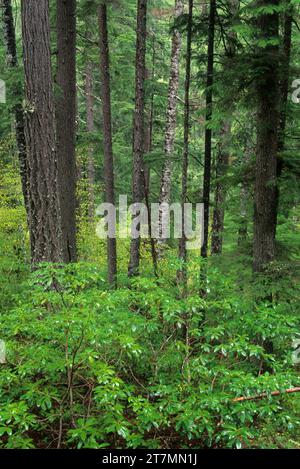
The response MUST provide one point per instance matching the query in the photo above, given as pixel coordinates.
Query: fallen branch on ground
(261, 396)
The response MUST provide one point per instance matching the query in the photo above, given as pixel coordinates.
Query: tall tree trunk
(150, 117)
(44, 213)
(138, 131)
(148, 147)
(9, 33)
(244, 199)
(66, 123)
(90, 130)
(147, 170)
(220, 191)
(225, 137)
(284, 78)
(107, 134)
(267, 89)
(182, 274)
(208, 131)
(12, 62)
(243, 226)
(245, 193)
(165, 185)
(284, 91)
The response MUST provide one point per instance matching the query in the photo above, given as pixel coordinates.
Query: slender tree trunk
(220, 191)
(225, 137)
(9, 33)
(147, 172)
(208, 131)
(284, 79)
(148, 147)
(12, 62)
(107, 134)
(267, 89)
(243, 228)
(244, 199)
(138, 131)
(150, 117)
(182, 273)
(90, 129)
(165, 185)
(284, 91)
(44, 213)
(66, 123)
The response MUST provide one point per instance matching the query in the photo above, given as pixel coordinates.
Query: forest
(149, 224)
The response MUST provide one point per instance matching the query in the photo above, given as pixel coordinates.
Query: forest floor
(88, 367)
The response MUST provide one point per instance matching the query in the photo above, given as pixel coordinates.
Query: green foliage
(139, 367)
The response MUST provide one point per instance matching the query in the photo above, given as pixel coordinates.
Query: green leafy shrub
(140, 367)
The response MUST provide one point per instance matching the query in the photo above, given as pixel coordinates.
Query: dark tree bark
(148, 143)
(148, 147)
(208, 131)
(165, 185)
(243, 226)
(90, 129)
(284, 91)
(9, 33)
(284, 78)
(267, 89)
(66, 123)
(107, 134)
(245, 195)
(225, 137)
(138, 130)
(220, 191)
(12, 61)
(44, 213)
(147, 170)
(150, 117)
(182, 274)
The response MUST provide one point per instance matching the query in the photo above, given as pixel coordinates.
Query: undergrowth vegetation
(142, 367)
